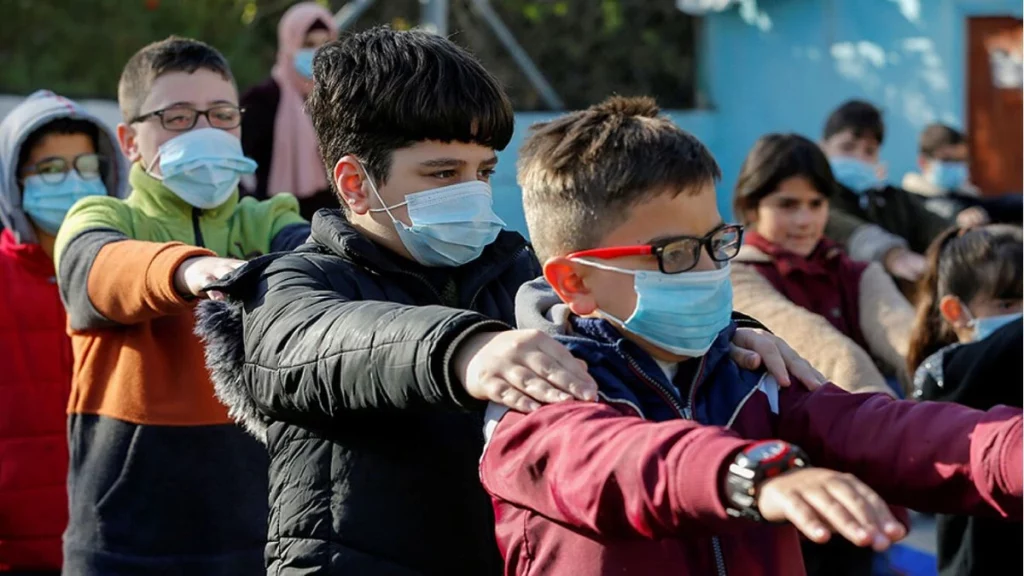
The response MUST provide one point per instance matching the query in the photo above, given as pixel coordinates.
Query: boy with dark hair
(687, 457)
(876, 222)
(53, 153)
(365, 357)
(161, 480)
(944, 181)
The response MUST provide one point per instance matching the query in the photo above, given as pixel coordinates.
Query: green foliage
(587, 49)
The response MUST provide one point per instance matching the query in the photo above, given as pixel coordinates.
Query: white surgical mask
(451, 225)
(202, 167)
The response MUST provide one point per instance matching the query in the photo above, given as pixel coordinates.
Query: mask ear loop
(373, 187)
(149, 169)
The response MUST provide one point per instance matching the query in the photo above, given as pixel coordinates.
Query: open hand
(820, 502)
(522, 369)
(905, 264)
(752, 347)
(195, 274)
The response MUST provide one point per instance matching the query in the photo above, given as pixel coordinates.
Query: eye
(445, 174)
(55, 166)
(817, 204)
(486, 174)
(788, 204)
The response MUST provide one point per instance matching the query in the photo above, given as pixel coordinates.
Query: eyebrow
(454, 162)
(194, 106)
(676, 236)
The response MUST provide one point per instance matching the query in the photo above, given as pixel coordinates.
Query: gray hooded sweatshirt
(41, 107)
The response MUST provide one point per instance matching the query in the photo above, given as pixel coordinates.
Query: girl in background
(846, 318)
(966, 348)
(276, 131)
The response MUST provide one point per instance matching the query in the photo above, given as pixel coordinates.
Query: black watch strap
(758, 462)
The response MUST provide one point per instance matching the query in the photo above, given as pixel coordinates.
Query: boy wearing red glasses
(691, 464)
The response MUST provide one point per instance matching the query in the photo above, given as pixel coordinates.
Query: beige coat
(886, 319)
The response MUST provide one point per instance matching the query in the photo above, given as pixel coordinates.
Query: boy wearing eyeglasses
(161, 480)
(690, 464)
(52, 153)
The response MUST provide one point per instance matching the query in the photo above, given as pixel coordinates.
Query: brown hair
(965, 263)
(582, 172)
(173, 54)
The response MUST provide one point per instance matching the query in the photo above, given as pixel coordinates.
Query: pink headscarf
(295, 166)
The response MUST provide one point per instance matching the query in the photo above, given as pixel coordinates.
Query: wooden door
(994, 101)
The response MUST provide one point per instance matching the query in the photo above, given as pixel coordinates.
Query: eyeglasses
(54, 170)
(183, 118)
(680, 254)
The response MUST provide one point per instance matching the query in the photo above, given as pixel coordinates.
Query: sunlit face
(847, 145)
(793, 217)
(200, 90)
(422, 166)
(588, 289)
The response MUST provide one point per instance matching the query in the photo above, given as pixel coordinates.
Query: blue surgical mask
(451, 225)
(985, 327)
(680, 313)
(948, 175)
(202, 167)
(47, 204)
(857, 175)
(304, 62)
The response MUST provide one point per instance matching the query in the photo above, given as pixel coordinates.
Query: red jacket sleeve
(594, 468)
(930, 456)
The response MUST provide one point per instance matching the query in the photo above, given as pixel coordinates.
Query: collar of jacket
(820, 262)
(28, 255)
(150, 196)
(333, 231)
(598, 343)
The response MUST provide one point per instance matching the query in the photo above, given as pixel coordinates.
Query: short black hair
(382, 90)
(775, 158)
(63, 125)
(581, 173)
(860, 117)
(938, 136)
(173, 54)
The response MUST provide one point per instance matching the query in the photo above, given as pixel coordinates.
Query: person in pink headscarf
(276, 131)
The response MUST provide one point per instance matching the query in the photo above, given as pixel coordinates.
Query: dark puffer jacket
(337, 357)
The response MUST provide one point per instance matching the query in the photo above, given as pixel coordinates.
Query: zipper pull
(686, 413)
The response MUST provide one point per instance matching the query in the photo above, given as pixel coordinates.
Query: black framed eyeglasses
(680, 254)
(184, 118)
(55, 169)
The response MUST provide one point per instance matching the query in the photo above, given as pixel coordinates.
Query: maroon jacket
(827, 282)
(631, 485)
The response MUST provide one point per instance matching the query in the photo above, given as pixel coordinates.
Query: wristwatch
(757, 463)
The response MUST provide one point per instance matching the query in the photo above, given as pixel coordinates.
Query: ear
(952, 311)
(567, 278)
(129, 145)
(750, 218)
(352, 183)
(922, 162)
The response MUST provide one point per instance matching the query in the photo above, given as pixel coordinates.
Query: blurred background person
(276, 130)
(52, 153)
(843, 316)
(944, 181)
(966, 348)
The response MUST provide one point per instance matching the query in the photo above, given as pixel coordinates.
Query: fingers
(804, 517)
(554, 363)
(504, 393)
(744, 358)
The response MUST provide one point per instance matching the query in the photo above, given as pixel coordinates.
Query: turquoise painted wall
(785, 64)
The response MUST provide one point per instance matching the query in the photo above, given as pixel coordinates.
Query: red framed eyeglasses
(679, 254)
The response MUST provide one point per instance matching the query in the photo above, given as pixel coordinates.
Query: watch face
(767, 452)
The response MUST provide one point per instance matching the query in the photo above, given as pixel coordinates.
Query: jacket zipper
(425, 282)
(686, 413)
(196, 213)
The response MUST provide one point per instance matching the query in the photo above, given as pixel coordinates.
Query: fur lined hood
(219, 327)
